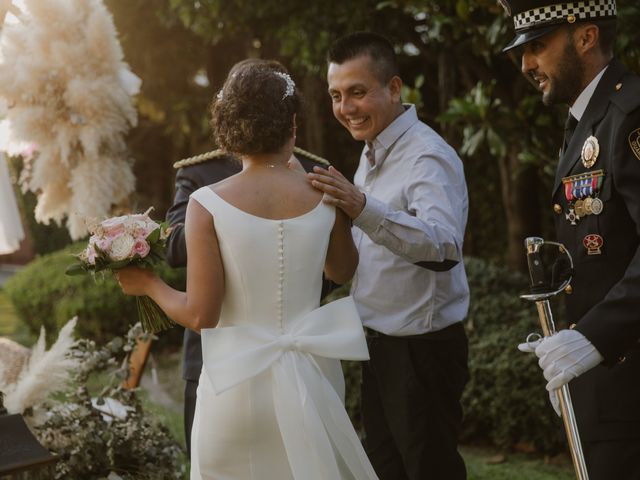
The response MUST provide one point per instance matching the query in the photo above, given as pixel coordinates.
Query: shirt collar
(580, 105)
(395, 129)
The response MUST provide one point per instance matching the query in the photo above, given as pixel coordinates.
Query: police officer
(567, 50)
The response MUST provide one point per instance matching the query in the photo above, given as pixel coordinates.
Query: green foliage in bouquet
(505, 402)
(43, 295)
(91, 444)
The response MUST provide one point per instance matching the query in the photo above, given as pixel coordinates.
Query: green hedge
(43, 295)
(505, 401)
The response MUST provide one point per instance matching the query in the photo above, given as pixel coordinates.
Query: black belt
(444, 334)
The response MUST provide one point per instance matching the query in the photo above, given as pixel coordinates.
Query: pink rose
(140, 247)
(112, 227)
(141, 226)
(90, 255)
(104, 244)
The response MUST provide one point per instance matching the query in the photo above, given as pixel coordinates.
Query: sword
(541, 292)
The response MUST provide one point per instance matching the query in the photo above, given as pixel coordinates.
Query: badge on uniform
(590, 152)
(581, 192)
(634, 142)
(593, 243)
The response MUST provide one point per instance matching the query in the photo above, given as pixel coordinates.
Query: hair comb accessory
(291, 86)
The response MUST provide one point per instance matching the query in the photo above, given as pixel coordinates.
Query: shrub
(43, 295)
(505, 401)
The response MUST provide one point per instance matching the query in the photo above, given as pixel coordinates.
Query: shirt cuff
(372, 215)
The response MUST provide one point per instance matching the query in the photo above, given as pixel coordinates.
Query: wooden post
(137, 361)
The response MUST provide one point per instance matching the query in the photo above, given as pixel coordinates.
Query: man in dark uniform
(567, 49)
(194, 173)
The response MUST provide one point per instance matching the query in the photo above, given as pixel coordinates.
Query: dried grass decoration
(68, 95)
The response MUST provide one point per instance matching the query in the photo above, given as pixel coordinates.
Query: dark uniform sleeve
(613, 324)
(176, 245)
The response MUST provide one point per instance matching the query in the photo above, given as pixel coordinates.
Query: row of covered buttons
(280, 270)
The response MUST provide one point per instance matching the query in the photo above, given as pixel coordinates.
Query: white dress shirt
(416, 211)
(580, 105)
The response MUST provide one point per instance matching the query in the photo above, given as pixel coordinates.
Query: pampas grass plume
(61, 71)
(47, 371)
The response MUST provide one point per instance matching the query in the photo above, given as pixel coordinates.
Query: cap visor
(527, 36)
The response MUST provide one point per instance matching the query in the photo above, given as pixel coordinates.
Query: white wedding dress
(270, 398)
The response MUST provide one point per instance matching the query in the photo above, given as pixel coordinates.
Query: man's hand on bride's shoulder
(338, 191)
(134, 280)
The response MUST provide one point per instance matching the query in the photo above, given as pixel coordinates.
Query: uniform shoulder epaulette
(203, 157)
(627, 95)
(311, 156)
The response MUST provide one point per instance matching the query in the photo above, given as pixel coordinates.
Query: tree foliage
(453, 66)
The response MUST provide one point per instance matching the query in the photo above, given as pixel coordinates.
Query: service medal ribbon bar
(581, 192)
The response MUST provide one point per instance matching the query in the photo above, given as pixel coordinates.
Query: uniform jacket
(605, 300)
(188, 180)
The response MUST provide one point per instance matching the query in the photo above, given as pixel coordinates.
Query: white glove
(530, 347)
(555, 402)
(566, 355)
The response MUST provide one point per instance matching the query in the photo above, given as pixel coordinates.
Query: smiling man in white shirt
(409, 209)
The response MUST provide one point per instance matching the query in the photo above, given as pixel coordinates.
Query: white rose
(121, 247)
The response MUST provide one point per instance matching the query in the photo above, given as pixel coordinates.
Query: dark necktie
(370, 154)
(569, 128)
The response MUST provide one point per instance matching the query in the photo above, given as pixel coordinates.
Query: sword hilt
(534, 261)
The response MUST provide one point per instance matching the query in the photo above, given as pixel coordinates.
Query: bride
(270, 403)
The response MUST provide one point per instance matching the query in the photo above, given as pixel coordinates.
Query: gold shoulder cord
(203, 157)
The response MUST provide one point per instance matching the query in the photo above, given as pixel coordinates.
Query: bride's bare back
(273, 192)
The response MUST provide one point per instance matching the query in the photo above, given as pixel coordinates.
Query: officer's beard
(566, 83)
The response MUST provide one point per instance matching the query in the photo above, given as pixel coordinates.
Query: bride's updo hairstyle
(253, 112)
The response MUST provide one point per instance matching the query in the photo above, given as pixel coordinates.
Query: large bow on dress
(314, 424)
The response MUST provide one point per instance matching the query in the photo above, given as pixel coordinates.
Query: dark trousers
(411, 412)
(190, 390)
(619, 460)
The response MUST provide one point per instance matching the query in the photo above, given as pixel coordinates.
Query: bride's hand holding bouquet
(129, 246)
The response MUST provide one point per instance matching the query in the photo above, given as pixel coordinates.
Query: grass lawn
(481, 466)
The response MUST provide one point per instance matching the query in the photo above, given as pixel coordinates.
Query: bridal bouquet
(118, 242)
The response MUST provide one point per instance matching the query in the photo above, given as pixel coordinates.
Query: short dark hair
(377, 47)
(251, 113)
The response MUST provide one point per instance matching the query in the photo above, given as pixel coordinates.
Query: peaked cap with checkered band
(533, 18)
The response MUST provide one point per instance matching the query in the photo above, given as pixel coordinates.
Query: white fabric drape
(312, 419)
(11, 232)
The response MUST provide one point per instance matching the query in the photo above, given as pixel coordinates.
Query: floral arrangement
(126, 240)
(66, 96)
(97, 428)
